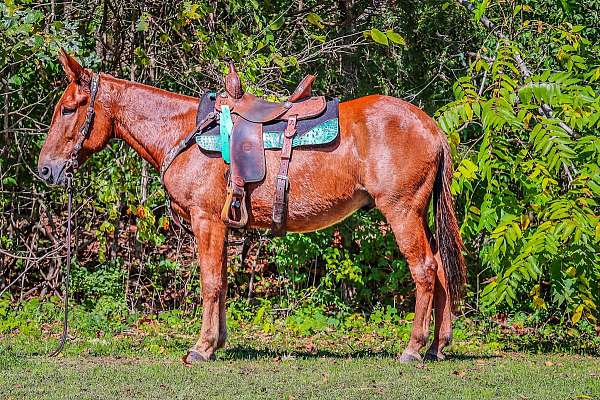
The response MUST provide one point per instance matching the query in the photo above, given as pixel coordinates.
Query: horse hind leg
(442, 306)
(410, 231)
(443, 315)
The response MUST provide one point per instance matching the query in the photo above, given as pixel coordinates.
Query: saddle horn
(233, 85)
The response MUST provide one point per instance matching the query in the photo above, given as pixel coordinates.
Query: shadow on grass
(250, 353)
(548, 346)
(470, 357)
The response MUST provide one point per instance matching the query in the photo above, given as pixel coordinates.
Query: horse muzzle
(54, 172)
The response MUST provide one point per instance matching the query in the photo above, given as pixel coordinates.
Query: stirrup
(235, 200)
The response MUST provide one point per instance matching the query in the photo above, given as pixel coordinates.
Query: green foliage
(92, 284)
(379, 36)
(528, 187)
(360, 258)
(109, 328)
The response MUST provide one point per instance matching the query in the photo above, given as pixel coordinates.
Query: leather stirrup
(234, 213)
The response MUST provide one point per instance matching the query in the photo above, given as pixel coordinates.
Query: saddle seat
(258, 110)
(247, 114)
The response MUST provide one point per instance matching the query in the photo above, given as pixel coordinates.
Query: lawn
(254, 372)
(306, 355)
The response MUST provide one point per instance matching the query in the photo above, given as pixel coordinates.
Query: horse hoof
(194, 357)
(432, 356)
(407, 357)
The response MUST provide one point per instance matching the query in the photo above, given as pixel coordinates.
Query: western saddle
(248, 114)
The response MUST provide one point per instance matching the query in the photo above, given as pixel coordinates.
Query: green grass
(256, 366)
(307, 355)
(260, 376)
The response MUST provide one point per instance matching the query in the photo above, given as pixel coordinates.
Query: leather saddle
(247, 155)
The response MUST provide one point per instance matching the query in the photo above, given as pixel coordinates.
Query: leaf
(395, 37)
(142, 24)
(279, 60)
(577, 314)
(468, 111)
(318, 38)
(566, 6)
(9, 181)
(315, 20)
(539, 303)
(379, 37)
(277, 23)
(190, 10)
(480, 10)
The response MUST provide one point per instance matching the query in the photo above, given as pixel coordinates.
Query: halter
(86, 128)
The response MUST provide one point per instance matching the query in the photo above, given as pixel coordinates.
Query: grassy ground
(510, 376)
(270, 368)
(306, 355)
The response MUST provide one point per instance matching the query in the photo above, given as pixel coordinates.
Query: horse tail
(449, 242)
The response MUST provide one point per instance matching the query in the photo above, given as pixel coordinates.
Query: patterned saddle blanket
(321, 130)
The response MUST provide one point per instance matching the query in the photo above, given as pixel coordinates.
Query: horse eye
(68, 111)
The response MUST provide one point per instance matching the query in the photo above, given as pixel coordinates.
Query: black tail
(447, 233)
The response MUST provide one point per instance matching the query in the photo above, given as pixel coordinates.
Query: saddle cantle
(238, 124)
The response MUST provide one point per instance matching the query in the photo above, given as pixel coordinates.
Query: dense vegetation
(517, 96)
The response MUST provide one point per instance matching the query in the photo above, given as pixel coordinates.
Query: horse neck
(151, 120)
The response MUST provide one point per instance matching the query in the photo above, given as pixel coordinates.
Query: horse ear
(75, 72)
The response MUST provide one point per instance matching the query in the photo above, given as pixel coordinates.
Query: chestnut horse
(389, 154)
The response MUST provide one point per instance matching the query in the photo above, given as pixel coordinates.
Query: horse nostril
(45, 172)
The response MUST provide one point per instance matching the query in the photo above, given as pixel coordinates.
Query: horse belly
(324, 189)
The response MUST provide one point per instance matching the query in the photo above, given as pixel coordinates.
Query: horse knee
(212, 291)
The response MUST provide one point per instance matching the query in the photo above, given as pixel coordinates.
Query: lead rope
(73, 163)
(67, 273)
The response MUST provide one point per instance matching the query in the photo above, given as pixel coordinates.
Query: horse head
(78, 129)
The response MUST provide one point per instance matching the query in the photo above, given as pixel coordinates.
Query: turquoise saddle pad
(313, 132)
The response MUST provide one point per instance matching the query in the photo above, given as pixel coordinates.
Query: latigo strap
(282, 180)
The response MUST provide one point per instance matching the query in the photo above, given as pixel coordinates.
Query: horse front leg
(210, 235)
